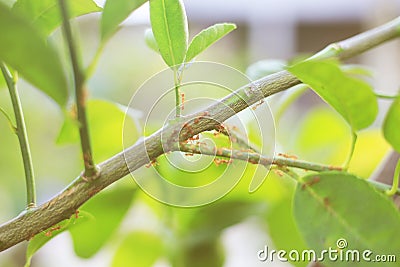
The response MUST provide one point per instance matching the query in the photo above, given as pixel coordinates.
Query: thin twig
(254, 157)
(80, 95)
(281, 162)
(20, 130)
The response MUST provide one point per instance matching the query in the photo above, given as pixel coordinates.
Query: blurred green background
(235, 228)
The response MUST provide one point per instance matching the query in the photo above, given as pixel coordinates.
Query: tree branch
(63, 205)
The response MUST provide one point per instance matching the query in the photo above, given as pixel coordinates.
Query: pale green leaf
(150, 40)
(35, 59)
(391, 125)
(357, 70)
(170, 28)
(207, 37)
(108, 208)
(45, 14)
(263, 68)
(141, 249)
(332, 206)
(42, 238)
(109, 128)
(115, 12)
(351, 97)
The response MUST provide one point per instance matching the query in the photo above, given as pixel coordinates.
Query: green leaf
(332, 205)
(109, 128)
(141, 249)
(207, 223)
(35, 60)
(282, 227)
(207, 37)
(207, 253)
(42, 238)
(169, 24)
(45, 14)
(115, 12)
(108, 208)
(264, 67)
(351, 97)
(391, 125)
(358, 70)
(150, 40)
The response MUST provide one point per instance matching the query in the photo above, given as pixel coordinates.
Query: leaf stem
(396, 178)
(20, 130)
(80, 96)
(93, 64)
(383, 96)
(10, 122)
(177, 84)
(290, 97)
(351, 152)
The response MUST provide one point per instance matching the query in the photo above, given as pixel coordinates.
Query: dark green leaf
(108, 208)
(140, 249)
(207, 223)
(109, 128)
(351, 97)
(45, 14)
(391, 125)
(207, 37)
(42, 238)
(207, 253)
(35, 60)
(331, 206)
(150, 40)
(116, 11)
(169, 24)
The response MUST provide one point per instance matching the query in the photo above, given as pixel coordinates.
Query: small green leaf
(351, 97)
(331, 206)
(207, 37)
(391, 125)
(115, 12)
(170, 28)
(45, 14)
(150, 40)
(35, 60)
(109, 128)
(141, 249)
(42, 238)
(108, 208)
(264, 67)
